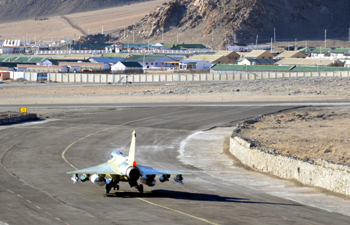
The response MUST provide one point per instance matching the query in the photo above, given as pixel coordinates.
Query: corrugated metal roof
(321, 50)
(38, 66)
(131, 64)
(190, 61)
(263, 61)
(208, 58)
(225, 53)
(274, 68)
(290, 54)
(305, 62)
(80, 64)
(251, 68)
(181, 46)
(256, 53)
(341, 50)
(106, 60)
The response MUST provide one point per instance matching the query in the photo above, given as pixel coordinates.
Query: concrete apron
(205, 150)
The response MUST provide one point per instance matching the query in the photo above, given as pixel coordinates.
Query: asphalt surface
(35, 189)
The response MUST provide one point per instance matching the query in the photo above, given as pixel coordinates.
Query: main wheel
(140, 188)
(108, 188)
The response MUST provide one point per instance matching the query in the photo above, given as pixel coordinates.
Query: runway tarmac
(35, 189)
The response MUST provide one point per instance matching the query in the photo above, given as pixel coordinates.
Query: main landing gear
(138, 187)
(112, 184)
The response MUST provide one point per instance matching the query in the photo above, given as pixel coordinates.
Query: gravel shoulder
(309, 134)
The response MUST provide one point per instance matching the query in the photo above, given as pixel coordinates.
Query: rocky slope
(223, 20)
(15, 10)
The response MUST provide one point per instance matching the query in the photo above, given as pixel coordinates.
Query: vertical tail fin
(132, 148)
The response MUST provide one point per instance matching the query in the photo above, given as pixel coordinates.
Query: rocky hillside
(15, 10)
(223, 20)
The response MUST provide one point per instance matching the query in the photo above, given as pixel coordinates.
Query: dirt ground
(58, 28)
(309, 134)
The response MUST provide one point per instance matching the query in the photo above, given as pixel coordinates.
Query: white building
(121, 66)
(189, 64)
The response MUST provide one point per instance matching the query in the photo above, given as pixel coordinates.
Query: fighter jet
(124, 168)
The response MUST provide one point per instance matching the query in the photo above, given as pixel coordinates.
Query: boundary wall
(320, 173)
(144, 78)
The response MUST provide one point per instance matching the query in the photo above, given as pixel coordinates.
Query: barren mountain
(15, 10)
(223, 20)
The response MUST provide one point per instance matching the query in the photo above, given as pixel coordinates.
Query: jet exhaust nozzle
(133, 173)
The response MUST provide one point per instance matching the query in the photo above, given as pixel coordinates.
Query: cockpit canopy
(116, 153)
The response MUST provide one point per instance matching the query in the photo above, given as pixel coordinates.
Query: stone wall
(319, 174)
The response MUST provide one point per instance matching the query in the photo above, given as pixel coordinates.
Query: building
(320, 52)
(309, 62)
(4, 69)
(178, 46)
(214, 59)
(156, 61)
(340, 53)
(259, 54)
(91, 46)
(123, 66)
(108, 60)
(12, 66)
(306, 50)
(258, 62)
(193, 64)
(82, 67)
(291, 54)
(231, 55)
(237, 47)
(56, 62)
(38, 68)
(4, 75)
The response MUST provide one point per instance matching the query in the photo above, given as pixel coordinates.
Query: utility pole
(88, 31)
(102, 29)
(256, 42)
(325, 38)
(234, 39)
(271, 45)
(133, 35)
(274, 34)
(295, 45)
